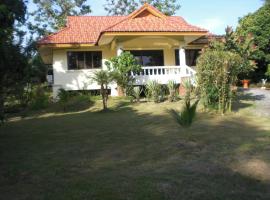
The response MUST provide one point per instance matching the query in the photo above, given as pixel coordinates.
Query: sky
(213, 15)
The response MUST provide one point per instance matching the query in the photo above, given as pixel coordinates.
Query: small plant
(137, 91)
(187, 115)
(64, 97)
(121, 68)
(39, 98)
(172, 86)
(154, 91)
(103, 78)
(188, 112)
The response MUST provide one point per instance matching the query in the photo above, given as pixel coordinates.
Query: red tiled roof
(88, 29)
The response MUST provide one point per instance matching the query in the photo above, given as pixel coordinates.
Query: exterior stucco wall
(80, 79)
(76, 79)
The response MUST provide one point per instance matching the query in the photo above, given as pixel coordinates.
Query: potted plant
(245, 83)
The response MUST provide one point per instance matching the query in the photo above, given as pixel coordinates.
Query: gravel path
(262, 101)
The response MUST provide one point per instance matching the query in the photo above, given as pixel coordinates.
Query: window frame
(76, 68)
(150, 50)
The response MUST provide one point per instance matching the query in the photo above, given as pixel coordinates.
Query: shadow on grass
(132, 154)
(245, 100)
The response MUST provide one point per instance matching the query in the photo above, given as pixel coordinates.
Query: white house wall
(76, 79)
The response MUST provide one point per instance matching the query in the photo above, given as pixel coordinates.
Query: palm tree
(103, 78)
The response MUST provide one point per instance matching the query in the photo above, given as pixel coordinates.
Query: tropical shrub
(219, 68)
(63, 97)
(154, 91)
(39, 98)
(217, 71)
(103, 78)
(121, 68)
(188, 112)
(172, 86)
(136, 94)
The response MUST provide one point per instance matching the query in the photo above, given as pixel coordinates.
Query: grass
(134, 151)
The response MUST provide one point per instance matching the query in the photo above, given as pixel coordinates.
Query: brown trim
(155, 33)
(65, 45)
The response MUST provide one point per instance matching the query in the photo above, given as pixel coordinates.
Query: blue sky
(213, 15)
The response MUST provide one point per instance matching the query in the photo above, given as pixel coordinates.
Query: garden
(203, 139)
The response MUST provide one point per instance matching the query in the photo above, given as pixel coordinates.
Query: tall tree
(120, 7)
(13, 62)
(51, 15)
(168, 7)
(125, 7)
(257, 25)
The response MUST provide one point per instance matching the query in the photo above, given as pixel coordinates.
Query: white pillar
(119, 50)
(182, 56)
(114, 91)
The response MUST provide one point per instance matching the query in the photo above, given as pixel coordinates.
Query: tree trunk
(102, 91)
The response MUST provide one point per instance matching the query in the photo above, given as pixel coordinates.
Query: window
(149, 57)
(84, 59)
(177, 59)
(191, 56)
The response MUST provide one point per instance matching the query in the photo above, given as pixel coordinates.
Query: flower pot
(245, 83)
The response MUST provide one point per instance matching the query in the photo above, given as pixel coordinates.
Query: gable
(89, 29)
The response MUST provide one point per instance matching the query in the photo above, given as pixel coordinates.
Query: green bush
(39, 98)
(64, 97)
(136, 93)
(73, 101)
(172, 86)
(187, 114)
(154, 91)
(78, 103)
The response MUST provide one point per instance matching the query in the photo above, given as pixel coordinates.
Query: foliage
(39, 98)
(217, 71)
(154, 91)
(103, 78)
(187, 114)
(168, 7)
(267, 73)
(242, 46)
(172, 86)
(257, 25)
(51, 15)
(121, 67)
(220, 66)
(136, 94)
(13, 62)
(120, 7)
(73, 102)
(64, 97)
(125, 7)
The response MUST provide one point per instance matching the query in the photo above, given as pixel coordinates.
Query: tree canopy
(13, 62)
(125, 7)
(257, 25)
(51, 15)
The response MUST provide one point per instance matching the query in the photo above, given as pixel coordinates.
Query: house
(166, 47)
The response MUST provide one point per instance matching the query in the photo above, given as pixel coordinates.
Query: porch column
(182, 56)
(119, 50)
(114, 88)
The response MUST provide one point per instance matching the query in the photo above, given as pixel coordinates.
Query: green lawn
(135, 152)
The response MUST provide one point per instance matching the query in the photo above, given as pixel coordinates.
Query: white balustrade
(163, 74)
